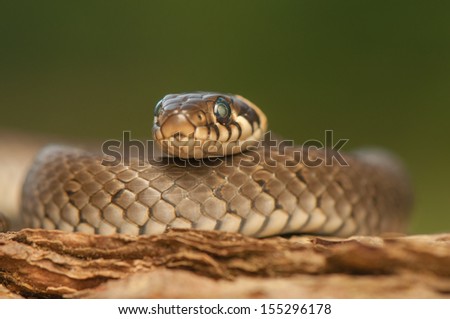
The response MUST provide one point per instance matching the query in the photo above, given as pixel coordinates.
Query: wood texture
(203, 264)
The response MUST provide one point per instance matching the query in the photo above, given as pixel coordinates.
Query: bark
(200, 264)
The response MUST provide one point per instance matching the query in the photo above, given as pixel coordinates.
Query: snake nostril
(199, 118)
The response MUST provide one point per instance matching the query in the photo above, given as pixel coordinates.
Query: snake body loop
(256, 191)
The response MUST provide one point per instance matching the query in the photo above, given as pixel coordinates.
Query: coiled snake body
(258, 191)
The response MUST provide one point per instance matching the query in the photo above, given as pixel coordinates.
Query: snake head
(198, 125)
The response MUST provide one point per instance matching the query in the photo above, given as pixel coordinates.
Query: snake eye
(158, 109)
(222, 111)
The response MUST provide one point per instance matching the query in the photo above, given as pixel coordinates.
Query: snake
(213, 172)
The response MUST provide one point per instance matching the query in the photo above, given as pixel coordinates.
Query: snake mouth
(189, 146)
(199, 143)
(181, 140)
(182, 137)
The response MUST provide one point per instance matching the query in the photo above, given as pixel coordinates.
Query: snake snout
(177, 126)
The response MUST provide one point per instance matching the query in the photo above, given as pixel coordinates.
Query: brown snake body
(257, 191)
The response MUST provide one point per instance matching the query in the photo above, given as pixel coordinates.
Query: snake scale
(252, 189)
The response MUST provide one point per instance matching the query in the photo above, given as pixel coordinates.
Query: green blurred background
(375, 72)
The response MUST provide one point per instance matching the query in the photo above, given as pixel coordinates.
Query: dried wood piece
(43, 263)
